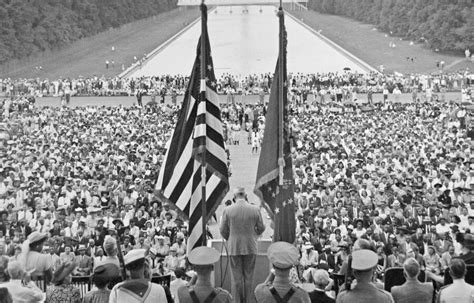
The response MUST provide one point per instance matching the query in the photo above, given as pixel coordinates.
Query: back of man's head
(15, 270)
(457, 269)
(411, 268)
(239, 192)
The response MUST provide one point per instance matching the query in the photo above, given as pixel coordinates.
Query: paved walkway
(244, 172)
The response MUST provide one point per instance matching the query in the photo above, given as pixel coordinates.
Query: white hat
(203, 255)
(134, 255)
(36, 236)
(308, 245)
(282, 254)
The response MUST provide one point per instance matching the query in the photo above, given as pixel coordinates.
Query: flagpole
(203, 99)
(281, 160)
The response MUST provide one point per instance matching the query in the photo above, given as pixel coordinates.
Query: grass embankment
(372, 46)
(87, 57)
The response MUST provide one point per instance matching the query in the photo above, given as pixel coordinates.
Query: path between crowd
(244, 172)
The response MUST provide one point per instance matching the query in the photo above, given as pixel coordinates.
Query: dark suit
(241, 224)
(328, 258)
(317, 296)
(413, 291)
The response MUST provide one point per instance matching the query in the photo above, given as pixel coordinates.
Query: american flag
(199, 129)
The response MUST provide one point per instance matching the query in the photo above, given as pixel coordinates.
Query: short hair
(136, 265)
(100, 281)
(180, 272)
(411, 267)
(15, 270)
(457, 268)
(110, 246)
(320, 277)
(363, 244)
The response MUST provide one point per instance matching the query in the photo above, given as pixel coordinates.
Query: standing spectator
(459, 291)
(240, 226)
(20, 291)
(412, 290)
(321, 280)
(62, 291)
(35, 262)
(100, 278)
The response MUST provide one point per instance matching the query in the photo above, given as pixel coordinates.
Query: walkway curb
(158, 49)
(339, 48)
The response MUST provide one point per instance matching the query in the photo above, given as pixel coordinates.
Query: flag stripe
(198, 130)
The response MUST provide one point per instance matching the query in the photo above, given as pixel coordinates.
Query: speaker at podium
(222, 273)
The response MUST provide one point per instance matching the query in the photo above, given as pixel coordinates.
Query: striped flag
(199, 129)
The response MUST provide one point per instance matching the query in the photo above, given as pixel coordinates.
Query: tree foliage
(29, 26)
(447, 25)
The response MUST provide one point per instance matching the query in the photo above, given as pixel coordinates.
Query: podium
(222, 273)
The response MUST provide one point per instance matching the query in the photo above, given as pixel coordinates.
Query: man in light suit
(412, 290)
(241, 224)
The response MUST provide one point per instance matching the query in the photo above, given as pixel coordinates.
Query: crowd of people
(77, 186)
(236, 84)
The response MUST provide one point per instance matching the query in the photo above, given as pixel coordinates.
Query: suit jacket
(329, 259)
(84, 264)
(318, 296)
(413, 291)
(240, 226)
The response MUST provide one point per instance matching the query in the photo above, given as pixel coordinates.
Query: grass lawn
(87, 57)
(373, 47)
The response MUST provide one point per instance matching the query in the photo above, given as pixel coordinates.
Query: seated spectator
(446, 258)
(396, 259)
(68, 255)
(432, 261)
(84, 262)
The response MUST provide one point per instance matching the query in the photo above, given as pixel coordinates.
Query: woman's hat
(36, 236)
(118, 220)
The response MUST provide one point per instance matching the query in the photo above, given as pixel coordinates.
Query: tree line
(446, 25)
(29, 26)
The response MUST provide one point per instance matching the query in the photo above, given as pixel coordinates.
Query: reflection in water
(244, 40)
